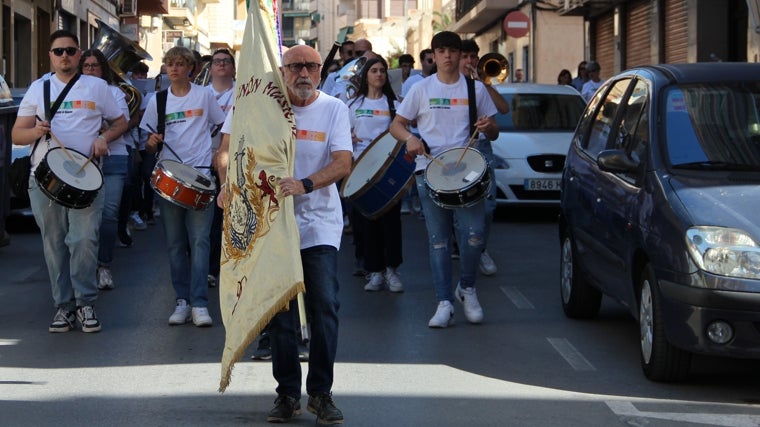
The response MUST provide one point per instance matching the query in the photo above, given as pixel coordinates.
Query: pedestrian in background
(565, 78)
(581, 78)
(594, 81)
(69, 236)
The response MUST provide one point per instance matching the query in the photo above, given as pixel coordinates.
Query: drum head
(375, 159)
(72, 172)
(187, 175)
(444, 174)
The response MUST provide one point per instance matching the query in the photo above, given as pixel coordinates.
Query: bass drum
(380, 177)
(68, 178)
(453, 183)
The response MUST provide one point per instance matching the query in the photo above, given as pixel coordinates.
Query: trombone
(491, 66)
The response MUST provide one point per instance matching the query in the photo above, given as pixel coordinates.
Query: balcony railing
(304, 5)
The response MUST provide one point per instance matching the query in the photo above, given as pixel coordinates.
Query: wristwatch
(308, 186)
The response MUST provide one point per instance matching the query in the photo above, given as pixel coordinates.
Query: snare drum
(182, 185)
(71, 183)
(380, 176)
(453, 185)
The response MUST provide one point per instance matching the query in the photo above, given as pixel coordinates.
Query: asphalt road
(526, 365)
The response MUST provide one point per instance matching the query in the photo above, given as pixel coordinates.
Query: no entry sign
(517, 24)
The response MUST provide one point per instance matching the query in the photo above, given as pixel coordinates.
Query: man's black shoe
(285, 408)
(327, 413)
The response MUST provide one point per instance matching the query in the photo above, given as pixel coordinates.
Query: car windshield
(539, 112)
(713, 126)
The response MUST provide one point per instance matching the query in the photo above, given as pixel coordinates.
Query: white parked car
(534, 138)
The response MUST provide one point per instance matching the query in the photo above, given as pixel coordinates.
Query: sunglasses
(222, 61)
(58, 51)
(359, 52)
(296, 67)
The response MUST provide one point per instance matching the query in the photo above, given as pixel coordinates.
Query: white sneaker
(105, 279)
(136, 221)
(181, 313)
(201, 316)
(472, 310)
(393, 280)
(443, 317)
(375, 282)
(487, 266)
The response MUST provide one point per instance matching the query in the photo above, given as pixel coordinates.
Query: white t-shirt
(322, 128)
(227, 126)
(589, 88)
(78, 120)
(369, 119)
(188, 120)
(225, 99)
(443, 114)
(118, 147)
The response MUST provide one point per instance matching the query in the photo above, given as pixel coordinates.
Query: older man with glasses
(594, 81)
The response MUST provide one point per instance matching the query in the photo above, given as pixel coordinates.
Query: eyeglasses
(359, 52)
(58, 51)
(222, 61)
(92, 66)
(296, 67)
(429, 60)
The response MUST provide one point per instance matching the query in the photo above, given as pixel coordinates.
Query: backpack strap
(471, 103)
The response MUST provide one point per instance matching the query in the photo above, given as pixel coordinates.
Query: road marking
(517, 298)
(571, 355)
(25, 275)
(9, 341)
(727, 420)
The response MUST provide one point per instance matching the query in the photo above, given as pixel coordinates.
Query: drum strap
(391, 108)
(161, 98)
(51, 110)
(471, 102)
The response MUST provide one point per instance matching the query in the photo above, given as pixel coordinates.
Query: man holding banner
(273, 176)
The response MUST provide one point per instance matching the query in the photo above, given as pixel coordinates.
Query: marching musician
(468, 64)
(222, 87)
(190, 112)
(114, 167)
(440, 105)
(378, 239)
(69, 236)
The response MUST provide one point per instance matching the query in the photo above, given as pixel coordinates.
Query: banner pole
(302, 317)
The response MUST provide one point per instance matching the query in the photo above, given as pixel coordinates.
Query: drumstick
(60, 144)
(164, 144)
(469, 142)
(89, 159)
(434, 160)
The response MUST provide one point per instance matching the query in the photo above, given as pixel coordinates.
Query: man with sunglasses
(69, 236)
(222, 86)
(323, 152)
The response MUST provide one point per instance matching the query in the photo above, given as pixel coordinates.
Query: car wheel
(659, 359)
(580, 300)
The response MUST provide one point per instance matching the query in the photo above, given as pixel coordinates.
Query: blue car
(660, 210)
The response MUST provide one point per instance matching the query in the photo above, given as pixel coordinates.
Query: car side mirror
(616, 161)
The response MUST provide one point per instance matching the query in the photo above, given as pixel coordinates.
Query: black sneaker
(327, 413)
(88, 319)
(285, 408)
(63, 321)
(264, 350)
(125, 240)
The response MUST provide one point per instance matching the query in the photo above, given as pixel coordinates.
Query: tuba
(351, 72)
(493, 65)
(122, 54)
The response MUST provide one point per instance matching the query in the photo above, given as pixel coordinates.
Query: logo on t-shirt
(371, 113)
(78, 105)
(311, 135)
(182, 115)
(447, 103)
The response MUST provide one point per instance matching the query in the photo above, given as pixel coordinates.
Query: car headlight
(724, 251)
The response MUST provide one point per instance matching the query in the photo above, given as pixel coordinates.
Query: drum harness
(161, 98)
(51, 110)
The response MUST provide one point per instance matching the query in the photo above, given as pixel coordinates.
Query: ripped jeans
(470, 226)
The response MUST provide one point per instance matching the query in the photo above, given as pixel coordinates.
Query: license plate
(542, 184)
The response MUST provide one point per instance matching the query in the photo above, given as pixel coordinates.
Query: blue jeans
(320, 267)
(114, 175)
(469, 226)
(484, 146)
(70, 246)
(187, 239)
